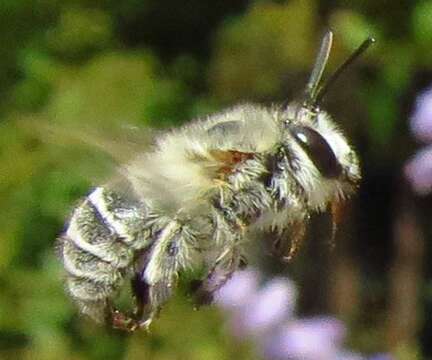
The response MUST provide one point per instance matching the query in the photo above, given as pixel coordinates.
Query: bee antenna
(313, 85)
(322, 90)
(315, 92)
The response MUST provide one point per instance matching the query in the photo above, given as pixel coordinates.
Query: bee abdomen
(79, 263)
(96, 309)
(89, 231)
(110, 228)
(132, 221)
(99, 247)
(90, 280)
(89, 289)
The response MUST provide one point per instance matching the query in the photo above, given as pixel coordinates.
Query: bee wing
(120, 141)
(94, 154)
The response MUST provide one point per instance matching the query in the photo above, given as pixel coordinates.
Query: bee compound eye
(318, 150)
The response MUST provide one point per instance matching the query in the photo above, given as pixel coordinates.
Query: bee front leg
(286, 244)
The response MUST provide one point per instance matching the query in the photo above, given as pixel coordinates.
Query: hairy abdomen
(99, 248)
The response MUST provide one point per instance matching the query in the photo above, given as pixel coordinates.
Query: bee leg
(298, 233)
(285, 245)
(282, 245)
(232, 229)
(146, 310)
(141, 290)
(221, 272)
(168, 255)
(121, 321)
(243, 262)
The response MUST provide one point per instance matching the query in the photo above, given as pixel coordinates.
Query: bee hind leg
(140, 317)
(158, 295)
(157, 273)
(144, 312)
(121, 321)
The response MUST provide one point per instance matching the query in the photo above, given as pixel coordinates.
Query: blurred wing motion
(120, 142)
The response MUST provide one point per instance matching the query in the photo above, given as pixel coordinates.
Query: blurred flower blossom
(418, 169)
(256, 310)
(265, 313)
(421, 119)
(380, 357)
(236, 292)
(273, 302)
(314, 338)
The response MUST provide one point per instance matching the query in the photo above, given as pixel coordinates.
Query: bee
(195, 199)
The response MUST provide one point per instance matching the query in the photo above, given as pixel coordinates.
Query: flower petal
(314, 338)
(271, 306)
(421, 119)
(418, 171)
(238, 290)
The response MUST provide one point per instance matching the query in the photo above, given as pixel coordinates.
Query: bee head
(325, 152)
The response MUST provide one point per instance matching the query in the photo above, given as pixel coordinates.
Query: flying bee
(199, 194)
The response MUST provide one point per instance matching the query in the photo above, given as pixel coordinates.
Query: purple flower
(418, 171)
(270, 306)
(421, 119)
(238, 290)
(265, 313)
(318, 338)
(381, 357)
(256, 310)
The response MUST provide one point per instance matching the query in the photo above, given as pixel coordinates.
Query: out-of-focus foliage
(76, 69)
(255, 50)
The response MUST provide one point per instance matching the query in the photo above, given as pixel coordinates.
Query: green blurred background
(97, 67)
